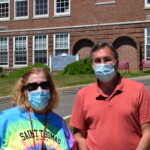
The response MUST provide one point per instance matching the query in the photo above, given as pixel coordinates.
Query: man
(114, 112)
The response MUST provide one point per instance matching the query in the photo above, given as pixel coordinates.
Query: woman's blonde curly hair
(20, 97)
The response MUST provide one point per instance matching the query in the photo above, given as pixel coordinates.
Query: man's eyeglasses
(33, 86)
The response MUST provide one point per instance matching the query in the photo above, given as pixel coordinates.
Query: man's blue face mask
(104, 72)
(39, 99)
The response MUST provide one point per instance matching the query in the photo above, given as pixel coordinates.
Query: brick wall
(82, 13)
(87, 13)
(110, 34)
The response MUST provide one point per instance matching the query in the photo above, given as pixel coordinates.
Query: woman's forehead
(36, 77)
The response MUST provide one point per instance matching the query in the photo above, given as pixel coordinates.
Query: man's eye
(107, 59)
(97, 61)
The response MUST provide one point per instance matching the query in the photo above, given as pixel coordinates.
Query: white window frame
(146, 42)
(20, 65)
(6, 18)
(40, 16)
(33, 38)
(54, 37)
(21, 17)
(7, 52)
(62, 13)
(147, 4)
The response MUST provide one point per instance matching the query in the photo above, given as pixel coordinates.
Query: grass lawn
(7, 84)
(67, 122)
(72, 80)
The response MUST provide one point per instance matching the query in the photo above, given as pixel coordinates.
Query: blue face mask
(39, 99)
(104, 72)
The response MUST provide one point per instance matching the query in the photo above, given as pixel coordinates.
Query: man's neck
(108, 87)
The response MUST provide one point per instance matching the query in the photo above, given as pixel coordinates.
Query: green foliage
(20, 72)
(3, 75)
(79, 67)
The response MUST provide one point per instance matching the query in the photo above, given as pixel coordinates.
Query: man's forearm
(144, 143)
(80, 136)
(81, 144)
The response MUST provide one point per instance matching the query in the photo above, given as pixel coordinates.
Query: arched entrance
(83, 48)
(127, 50)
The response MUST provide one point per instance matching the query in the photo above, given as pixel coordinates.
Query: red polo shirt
(112, 122)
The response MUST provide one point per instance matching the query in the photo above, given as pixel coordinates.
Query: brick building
(32, 30)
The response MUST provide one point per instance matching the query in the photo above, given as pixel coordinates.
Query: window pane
(20, 57)
(61, 51)
(20, 43)
(148, 51)
(41, 7)
(148, 32)
(20, 50)
(3, 51)
(62, 6)
(61, 43)
(40, 51)
(4, 1)
(148, 40)
(40, 42)
(21, 8)
(3, 58)
(4, 10)
(3, 44)
(40, 56)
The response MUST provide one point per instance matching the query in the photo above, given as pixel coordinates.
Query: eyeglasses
(33, 86)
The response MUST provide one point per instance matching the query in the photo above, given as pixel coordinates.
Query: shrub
(3, 75)
(20, 72)
(79, 67)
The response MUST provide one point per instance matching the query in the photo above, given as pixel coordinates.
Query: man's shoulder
(131, 82)
(88, 88)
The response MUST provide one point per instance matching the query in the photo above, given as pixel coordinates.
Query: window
(147, 3)
(40, 49)
(4, 9)
(147, 43)
(41, 8)
(61, 43)
(3, 51)
(20, 50)
(62, 7)
(21, 8)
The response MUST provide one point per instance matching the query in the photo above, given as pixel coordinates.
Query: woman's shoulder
(54, 118)
(11, 112)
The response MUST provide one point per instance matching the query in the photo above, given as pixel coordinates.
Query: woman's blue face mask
(39, 99)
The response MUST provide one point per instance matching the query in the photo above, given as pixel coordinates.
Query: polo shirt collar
(119, 89)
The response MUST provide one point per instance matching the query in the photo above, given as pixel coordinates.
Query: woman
(32, 125)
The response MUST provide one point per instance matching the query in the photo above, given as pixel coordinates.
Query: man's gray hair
(101, 45)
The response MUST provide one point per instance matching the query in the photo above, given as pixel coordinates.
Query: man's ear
(92, 67)
(117, 64)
